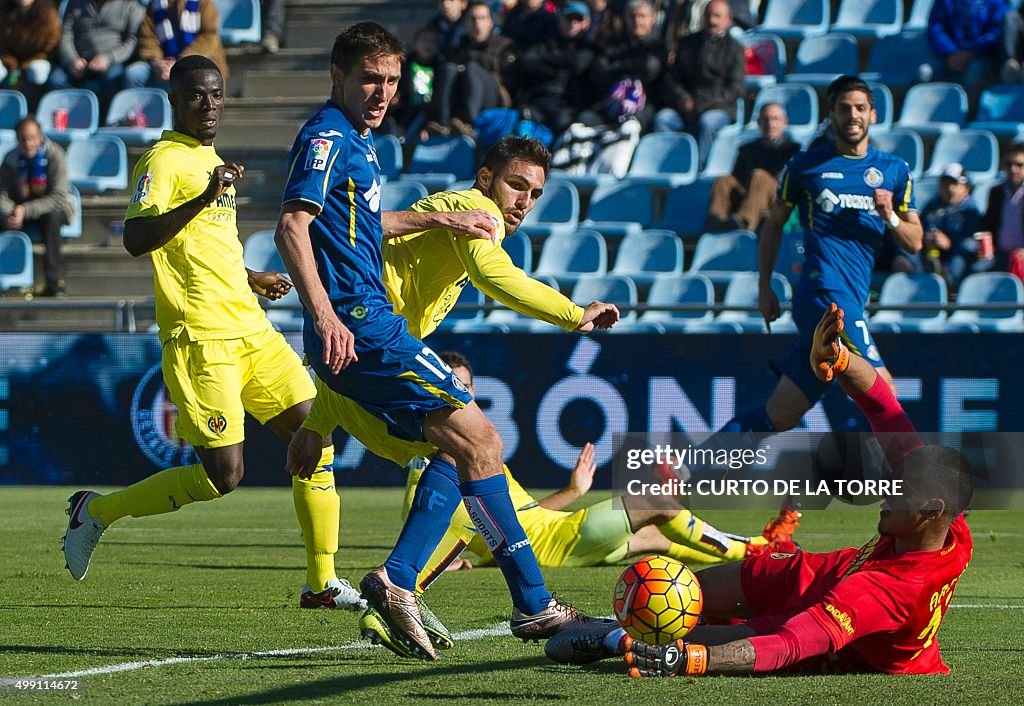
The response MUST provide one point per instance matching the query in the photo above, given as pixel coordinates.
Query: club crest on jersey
(142, 187)
(316, 156)
(873, 177)
(217, 423)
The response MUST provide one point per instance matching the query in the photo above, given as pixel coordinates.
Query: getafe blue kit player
(329, 235)
(850, 196)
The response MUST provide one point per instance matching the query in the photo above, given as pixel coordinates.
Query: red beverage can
(60, 119)
(986, 247)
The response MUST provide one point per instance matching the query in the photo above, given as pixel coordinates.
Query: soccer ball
(657, 600)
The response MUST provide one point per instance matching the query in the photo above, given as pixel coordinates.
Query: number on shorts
(436, 369)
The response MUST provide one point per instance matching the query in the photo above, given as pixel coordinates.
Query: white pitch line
(478, 634)
(994, 606)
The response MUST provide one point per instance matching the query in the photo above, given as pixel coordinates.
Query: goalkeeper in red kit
(873, 609)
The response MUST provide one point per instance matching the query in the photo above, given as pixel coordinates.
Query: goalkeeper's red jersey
(881, 610)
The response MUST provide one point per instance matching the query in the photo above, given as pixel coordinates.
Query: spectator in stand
(950, 220)
(531, 22)
(687, 17)
(29, 32)
(742, 199)
(173, 29)
(474, 79)
(97, 40)
(605, 22)
(1004, 218)
(1013, 46)
(273, 25)
(34, 192)
(451, 27)
(416, 87)
(553, 76)
(965, 36)
(702, 86)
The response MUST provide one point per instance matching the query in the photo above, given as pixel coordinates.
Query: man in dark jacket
(701, 88)
(34, 192)
(1004, 218)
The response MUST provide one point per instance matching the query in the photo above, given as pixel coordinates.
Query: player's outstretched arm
(475, 223)
(767, 254)
(148, 233)
(292, 240)
(580, 481)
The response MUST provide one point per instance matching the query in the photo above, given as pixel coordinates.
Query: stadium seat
(883, 107)
(925, 189)
(800, 102)
(980, 192)
(520, 249)
(389, 155)
(460, 185)
(989, 288)
(897, 60)
(664, 159)
(977, 150)
(911, 288)
(473, 300)
(557, 211)
(790, 260)
(621, 208)
(151, 103)
(98, 164)
(259, 252)
(440, 161)
(74, 228)
(771, 53)
(13, 108)
(82, 114)
(685, 209)
(905, 144)
(720, 255)
(1001, 111)
(613, 289)
(649, 254)
(822, 58)
(721, 156)
(742, 292)
(479, 327)
(919, 14)
(240, 21)
(792, 19)
(680, 289)
(8, 142)
(15, 261)
(869, 18)
(934, 108)
(400, 195)
(568, 256)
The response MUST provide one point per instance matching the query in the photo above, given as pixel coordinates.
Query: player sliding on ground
(874, 609)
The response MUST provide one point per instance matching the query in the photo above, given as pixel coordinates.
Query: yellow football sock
(163, 492)
(689, 530)
(319, 511)
(688, 555)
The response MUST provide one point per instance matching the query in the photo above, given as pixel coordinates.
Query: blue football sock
(491, 510)
(753, 420)
(437, 496)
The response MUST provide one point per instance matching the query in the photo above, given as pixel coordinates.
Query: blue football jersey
(334, 168)
(835, 197)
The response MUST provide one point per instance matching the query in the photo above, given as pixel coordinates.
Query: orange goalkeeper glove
(671, 660)
(829, 355)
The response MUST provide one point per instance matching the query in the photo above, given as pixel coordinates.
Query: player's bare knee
(226, 477)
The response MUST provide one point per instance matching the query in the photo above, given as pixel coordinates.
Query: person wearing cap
(950, 220)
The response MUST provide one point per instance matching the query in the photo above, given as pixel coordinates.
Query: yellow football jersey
(199, 276)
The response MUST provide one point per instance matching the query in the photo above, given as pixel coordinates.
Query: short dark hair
(29, 119)
(193, 62)
(845, 84)
(1015, 148)
(454, 359)
(479, 3)
(361, 40)
(512, 147)
(938, 472)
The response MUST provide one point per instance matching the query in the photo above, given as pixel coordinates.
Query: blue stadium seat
(869, 18)
(989, 288)
(74, 228)
(1001, 111)
(742, 292)
(918, 18)
(678, 289)
(721, 156)
(796, 18)
(720, 255)
(664, 159)
(83, 114)
(934, 108)
(470, 297)
(613, 289)
(980, 192)
(15, 261)
(822, 58)
(98, 163)
(389, 155)
(977, 150)
(685, 209)
(800, 102)
(152, 103)
(911, 288)
(905, 144)
(240, 21)
(790, 260)
(520, 249)
(568, 256)
(8, 142)
(557, 211)
(897, 60)
(883, 107)
(771, 51)
(259, 252)
(647, 255)
(400, 195)
(925, 189)
(440, 161)
(13, 108)
(619, 209)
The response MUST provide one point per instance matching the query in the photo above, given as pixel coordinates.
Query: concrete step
(78, 314)
(274, 83)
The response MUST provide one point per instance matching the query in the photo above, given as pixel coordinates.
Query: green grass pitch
(215, 584)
